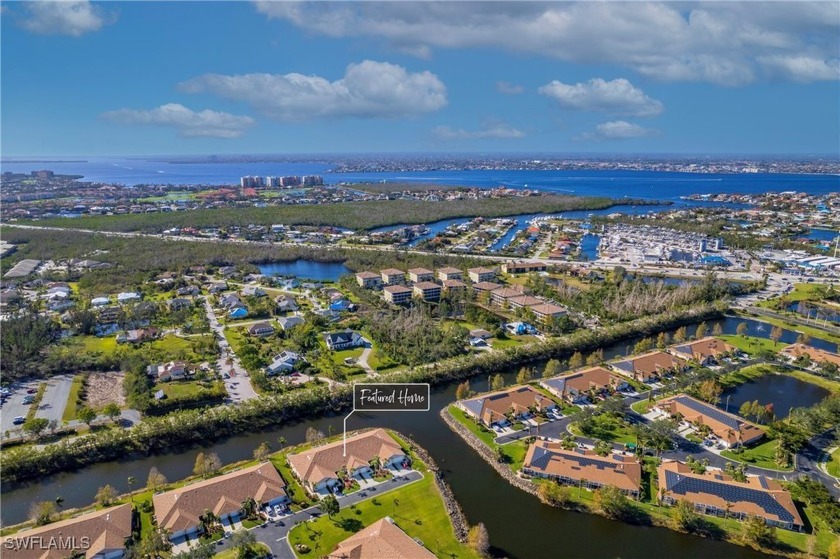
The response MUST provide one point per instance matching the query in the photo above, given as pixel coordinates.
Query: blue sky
(139, 78)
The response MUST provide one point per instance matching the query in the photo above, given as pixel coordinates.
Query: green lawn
(750, 344)
(180, 388)
(380, 362)
(833, 465)
(233, 553)
(417, 509)
(514, 451)
(761, 455)
(608, 428)
(72, 398)
(107, 344)
(642, 406)
(170, 197)
(810, 330)
(746, 374)
(338, 357)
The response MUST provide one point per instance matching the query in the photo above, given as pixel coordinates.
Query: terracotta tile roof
(816, 354)
(757, 496)
(547, 309)
(396, 289)
(180, 508)
(482, 270)
(453, 283)
(486, 286)
(507, 293)
(524, 300)
(380, 540)
(392, 272)
(106, 530)
(367, 275)
(449, 270)
(648, 365)
(419, 271)
(624, 472)
(491, 407)
(425, 285)
(702, 349)
(726, 426)
(319, 463)
(582, 381)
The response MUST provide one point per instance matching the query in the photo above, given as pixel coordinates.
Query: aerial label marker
(388, 396)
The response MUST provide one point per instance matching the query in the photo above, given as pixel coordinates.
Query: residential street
(239, 384)
(274, 534)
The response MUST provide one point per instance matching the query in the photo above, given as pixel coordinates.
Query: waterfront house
(816, 355)
(428, 291)
(179, 511)
(345, 339)
(705, 351)
(322, 467)
(397, 294)
(583, 467)
(261, 329)
(381, 539)
(283, 362)
(449, 273)
(392, 276)
(101, 534)
(500, 408)
(482, 274)
(523, 267)
(649, 367)
(582, 386)
(369, 280)
(717, 493)
(420, 275)
(729, 428)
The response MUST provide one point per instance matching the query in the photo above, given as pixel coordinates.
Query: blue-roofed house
(238, 312)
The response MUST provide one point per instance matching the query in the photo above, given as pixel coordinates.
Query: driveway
(55, 398)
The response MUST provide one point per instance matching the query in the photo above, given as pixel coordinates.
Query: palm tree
(208, 521)
(249, 507)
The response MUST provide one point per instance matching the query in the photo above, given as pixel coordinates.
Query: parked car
(278, 510)
(28, 400)
(31, 390)
(18, 420)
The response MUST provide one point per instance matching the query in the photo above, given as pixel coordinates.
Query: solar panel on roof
(682, 485)
(709, 411)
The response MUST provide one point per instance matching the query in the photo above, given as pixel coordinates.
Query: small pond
(306, 269)
(783, 391)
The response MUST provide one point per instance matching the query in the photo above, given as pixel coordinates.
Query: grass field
(91, 344)
(761, 455)
(180, 388)
(514, 452)
(233, 553)
(608, 429)
(73, 397)
(810, 330)
(338, 357)
(833, 465)
(746, 374)
(750, 344)
(417, 509)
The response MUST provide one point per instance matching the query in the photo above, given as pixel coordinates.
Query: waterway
(519, 526)
(819, 313)
(783, 391)
(306, 270)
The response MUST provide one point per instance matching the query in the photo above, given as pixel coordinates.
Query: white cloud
(801, 68)
(367, 89)
(719, 42)
(616, 96)
(620, 130)
(494, 131)
(188, 123)
(64, 17)
(509, 88)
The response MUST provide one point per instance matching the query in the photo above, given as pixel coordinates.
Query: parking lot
(14, 407)
(55, 398)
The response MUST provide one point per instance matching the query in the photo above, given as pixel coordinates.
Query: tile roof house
(484, 286)
(717, 493)
(174, 370)
(492, 408)
(577, 386)
(816, 355)
(427, 290)
(319, 467)
(369, 280)
(649, 366)
(731, 429)
(382, 539)
(550, 460)
(178, 510)
(345, 339)
(417, 275)
(454, 285)
(546, 311)
(481, 274)
(501, 296)
(523, 267)
(105, 532)
(391, 276)
(704, 351)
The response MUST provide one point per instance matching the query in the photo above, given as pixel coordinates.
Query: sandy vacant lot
(104, 388)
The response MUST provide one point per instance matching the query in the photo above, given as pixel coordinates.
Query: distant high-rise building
(270, 181)
(313, 180)
(43, 174)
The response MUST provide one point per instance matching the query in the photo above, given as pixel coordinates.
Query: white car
(278, 510)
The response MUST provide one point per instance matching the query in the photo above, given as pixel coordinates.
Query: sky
(142, 78)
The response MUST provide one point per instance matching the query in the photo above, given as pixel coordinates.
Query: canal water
(819, 313)
(784, 392)
(306, 270)
(519, 525)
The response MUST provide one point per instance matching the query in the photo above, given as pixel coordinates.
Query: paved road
(239, 384)
(274, 534)
(55, 398)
